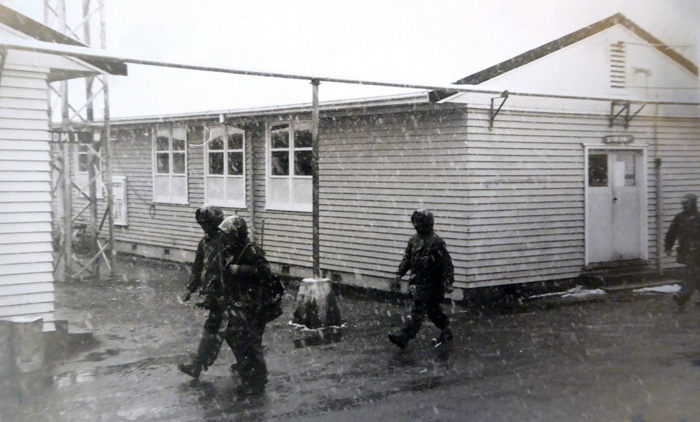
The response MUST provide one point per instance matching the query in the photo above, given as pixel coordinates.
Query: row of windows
(288, 166)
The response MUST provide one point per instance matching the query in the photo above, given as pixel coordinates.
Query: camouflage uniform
(206, 277)
(685, 228)
(432, 274)
(245, 274)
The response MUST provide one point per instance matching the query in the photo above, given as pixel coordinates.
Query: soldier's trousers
(691, 281)
(211, 340)
(244, 335)
(426, 302)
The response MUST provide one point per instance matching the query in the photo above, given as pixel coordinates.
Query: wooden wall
(508, 201)
(26, 261)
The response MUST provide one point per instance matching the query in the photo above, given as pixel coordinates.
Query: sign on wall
(69, 137)
(119, 203)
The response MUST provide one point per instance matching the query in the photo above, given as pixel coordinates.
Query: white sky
(436, 41)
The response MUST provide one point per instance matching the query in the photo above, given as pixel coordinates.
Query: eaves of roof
(410, 99)
(41, 32)
(560, 43)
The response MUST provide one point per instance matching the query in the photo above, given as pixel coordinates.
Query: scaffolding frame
(78, 114)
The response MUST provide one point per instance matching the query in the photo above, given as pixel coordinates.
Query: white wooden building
(26, 260)
(535, 188)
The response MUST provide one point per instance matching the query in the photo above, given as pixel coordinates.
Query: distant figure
(206, 277)
(432, 275)
(686, 228)
(248, 281)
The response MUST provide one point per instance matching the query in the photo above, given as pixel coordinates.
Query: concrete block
(316, 304)
(6, 361)
(28, 343)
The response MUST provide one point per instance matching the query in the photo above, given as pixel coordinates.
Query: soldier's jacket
(685, 227)
(244, 287)
(206, 269)
(427, 258)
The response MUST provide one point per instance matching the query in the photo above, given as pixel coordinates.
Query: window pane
(178, 188)
(630, 170)
(178, 144)
(217, 143)
(215, 190)
(178, 163)
(280, 163)
(235, 141)
(302, 191)
(279, 191)
(216, 163)
(235, 163)
(162, 187)
(162, 163)
(597, 170)
(235, 189)
(302, 139)
(162, 143)
(280, 139)
(302, 163)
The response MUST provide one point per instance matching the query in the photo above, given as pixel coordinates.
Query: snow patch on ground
(576, 292)
(666, 288)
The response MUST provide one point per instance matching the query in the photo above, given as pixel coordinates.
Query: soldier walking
(206, 277)
(432, 275)
(247, 280)
(685, 228)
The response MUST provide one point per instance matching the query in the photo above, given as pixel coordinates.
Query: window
(225, 167)
(597, 170)
(170, 165)
(289, 166)
(82, 174)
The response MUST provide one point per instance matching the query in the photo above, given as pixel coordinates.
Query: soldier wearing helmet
(432, 275)
(206, 277)
(246, 274)
(685, 228)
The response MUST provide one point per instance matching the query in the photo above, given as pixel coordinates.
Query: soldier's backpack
(271, 306)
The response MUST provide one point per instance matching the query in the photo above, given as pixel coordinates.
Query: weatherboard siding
(508, 201)
(375, 171)
(26, 252)
(157, 226)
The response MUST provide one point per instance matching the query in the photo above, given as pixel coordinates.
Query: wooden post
(107, 144)
(315, 181)
(316, 303)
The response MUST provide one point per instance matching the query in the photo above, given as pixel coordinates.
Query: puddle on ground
(99, 356)
(319, 338)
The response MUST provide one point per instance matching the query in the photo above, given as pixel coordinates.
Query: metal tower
(81, 105)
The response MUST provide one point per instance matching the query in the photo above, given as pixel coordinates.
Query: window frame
(157, 132)
(291, 205)
(227, 201)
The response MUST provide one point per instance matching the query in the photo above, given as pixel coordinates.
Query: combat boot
(193, 369)
(680, 300)
(400, 339)
(207, 352)
(444, 337)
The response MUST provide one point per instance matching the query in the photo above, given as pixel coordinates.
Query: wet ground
(621, 357)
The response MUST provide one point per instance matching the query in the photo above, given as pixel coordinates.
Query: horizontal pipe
(89, 53)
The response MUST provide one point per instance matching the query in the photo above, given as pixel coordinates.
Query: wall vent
(618, 65)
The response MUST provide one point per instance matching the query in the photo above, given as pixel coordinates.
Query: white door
(615, 223)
